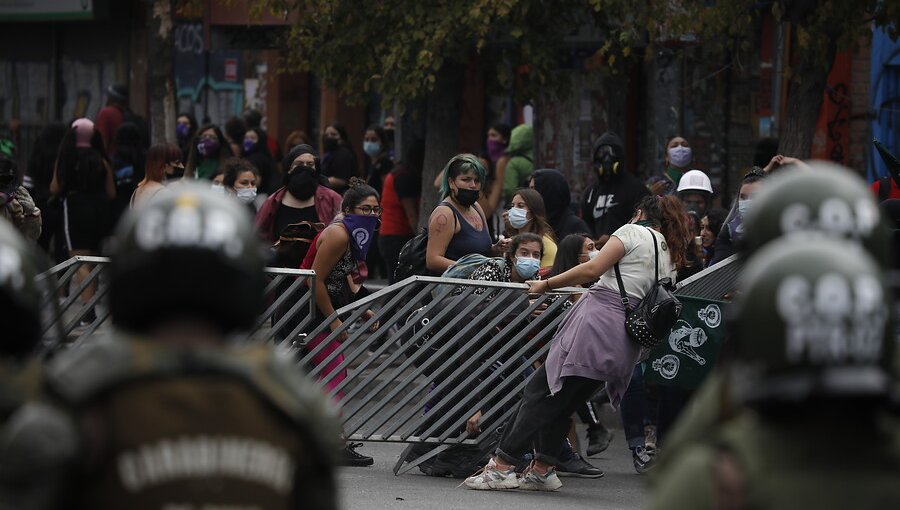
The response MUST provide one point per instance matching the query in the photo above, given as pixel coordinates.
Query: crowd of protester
(519, 221)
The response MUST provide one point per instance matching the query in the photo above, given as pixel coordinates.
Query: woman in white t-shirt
(591, 345)
(162, 159)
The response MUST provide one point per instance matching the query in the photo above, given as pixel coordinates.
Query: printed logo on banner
(711, 316)
(667, 366)
(684, 339)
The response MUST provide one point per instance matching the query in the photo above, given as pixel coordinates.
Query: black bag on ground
(652, 319)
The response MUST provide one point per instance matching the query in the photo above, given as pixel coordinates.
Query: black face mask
(302, 183)
(467, 197)
(389, 134)
(329, 144)
(607, 166)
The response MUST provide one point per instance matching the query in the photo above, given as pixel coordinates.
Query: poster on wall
(832, 138)
(46, 10)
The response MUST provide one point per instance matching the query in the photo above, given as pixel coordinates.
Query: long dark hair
(535, 204)
(194, 156)
(356, 193)
(81, 168)
(43, 156)
(345, 138)
(669, 213)
(567, 253)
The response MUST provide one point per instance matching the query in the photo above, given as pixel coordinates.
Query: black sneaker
(643, 461)
(351, 457)
(88, 318)
(579, 468)
(599, 438)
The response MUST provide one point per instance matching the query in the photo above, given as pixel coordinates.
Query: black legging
(542, 419)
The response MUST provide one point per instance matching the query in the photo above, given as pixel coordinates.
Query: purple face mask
(495, 149)
(182, 131)
(207, 146)
(362, 232)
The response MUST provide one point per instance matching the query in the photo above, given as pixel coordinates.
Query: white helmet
(695, 180)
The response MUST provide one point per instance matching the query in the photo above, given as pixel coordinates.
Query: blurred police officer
(811, 368)
(163, 414)
(821, 200)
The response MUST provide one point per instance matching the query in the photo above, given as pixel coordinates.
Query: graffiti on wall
(25, 89)
(566, 145)
(208, 83)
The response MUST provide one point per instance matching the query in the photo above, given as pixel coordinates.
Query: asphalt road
(376, 487)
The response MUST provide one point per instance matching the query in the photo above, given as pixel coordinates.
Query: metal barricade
(444, 349)
(289, 306)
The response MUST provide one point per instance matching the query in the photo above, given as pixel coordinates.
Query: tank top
(468, 240)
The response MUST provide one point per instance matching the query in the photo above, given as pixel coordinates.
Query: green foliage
(397, 47)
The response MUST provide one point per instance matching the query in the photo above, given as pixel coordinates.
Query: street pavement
(376, 487)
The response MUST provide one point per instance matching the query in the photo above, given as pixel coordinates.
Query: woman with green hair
(458, 226)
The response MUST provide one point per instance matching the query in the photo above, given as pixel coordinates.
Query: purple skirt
(591, 342)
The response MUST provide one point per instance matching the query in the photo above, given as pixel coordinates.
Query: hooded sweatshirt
(521, 162)
(554, 189)
(611, 201)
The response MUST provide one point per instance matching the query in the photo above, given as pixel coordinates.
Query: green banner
(692, 348)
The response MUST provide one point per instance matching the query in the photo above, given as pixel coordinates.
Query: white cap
(695, 180)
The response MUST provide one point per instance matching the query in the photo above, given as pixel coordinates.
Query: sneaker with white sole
(492, 477)
(533, 481)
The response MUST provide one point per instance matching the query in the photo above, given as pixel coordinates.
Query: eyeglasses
(369, 210)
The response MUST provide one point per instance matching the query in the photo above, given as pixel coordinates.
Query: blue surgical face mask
(527, 267)
(518, 217)
(744, 206)
(371, 148)
(593, 254)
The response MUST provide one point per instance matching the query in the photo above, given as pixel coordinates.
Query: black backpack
(411, 261)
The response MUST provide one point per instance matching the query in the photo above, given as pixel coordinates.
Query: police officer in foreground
(20, 309)
(811, 368)
(819, 200)
(163, 414)
(19, 297)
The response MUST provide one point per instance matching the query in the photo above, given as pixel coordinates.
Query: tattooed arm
(441, 228)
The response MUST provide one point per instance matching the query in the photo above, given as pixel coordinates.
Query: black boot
(351, 457)
(599, 438)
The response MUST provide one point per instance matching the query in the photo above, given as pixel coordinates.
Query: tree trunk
(441, 132)
(161, 64)
(806, 88)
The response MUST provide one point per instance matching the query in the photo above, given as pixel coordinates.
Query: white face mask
(593, 254)
(245, 194)
(518, 217)
(680, 156)
(218, 188)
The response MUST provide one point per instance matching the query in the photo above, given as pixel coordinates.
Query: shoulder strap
(453, 210)
(655, 254)
(621, 286)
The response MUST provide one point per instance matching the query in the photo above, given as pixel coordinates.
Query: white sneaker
(491, 477)
(533, 481)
